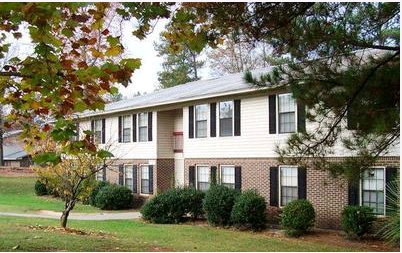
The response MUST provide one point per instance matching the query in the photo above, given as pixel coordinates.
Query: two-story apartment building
(225, 130)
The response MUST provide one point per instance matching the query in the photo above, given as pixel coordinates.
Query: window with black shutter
(273, 186)
(191, 122)
(237, 119)
(191, 176)
(272, 114)
(212, 120)
(150, 126)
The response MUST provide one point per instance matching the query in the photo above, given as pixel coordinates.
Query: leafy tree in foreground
(344, 66)
(77, 59)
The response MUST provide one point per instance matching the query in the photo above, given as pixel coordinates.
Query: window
(201, 116)
(144, 179)
(128, 176)
(143, 126)
(226, 118)
(99, 175)
(98, 130)
(288, 184)
(126, 128)
(203, 178)
(373, 190)
(228, 176)
(286, 113)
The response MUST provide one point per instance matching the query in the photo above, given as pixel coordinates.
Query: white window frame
(99, 172)
(279, 181)
(130, 166)
(277, 113)
(140, 190)
(138, 126)
(221, 177)
(95, 135)
(385, 190)
(195, 120)
(196, 174)
(122, 128)
(219, 117)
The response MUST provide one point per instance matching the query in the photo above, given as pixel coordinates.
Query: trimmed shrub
(166, 207)
(249, 211)
(218, 204)
(356, 221)
(298, 217)
(95, 190)
(114, 197)
(193, 199)
(40, 188)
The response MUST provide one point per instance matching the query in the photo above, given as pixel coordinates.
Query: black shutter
(121, 174)
(301, 118)
(238, 178)
(191, 122)
(104, 173)
(390, 175)
(273, 186)
(302, 183)
(272, 114)
(93, 131)
(119, 126)
(135, 183)
(150, 126)
(151, 179)
(103, 131)
(191, 176)
(353, 193)
(213, 174)
(134, 127)
(237, 121)
(213, 119)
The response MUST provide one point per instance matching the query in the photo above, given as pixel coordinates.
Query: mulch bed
(69, 231)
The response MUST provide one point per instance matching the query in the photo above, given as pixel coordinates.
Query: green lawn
(17, 195)
(130, 235)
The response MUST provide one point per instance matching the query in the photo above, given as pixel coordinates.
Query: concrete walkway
(78, 216)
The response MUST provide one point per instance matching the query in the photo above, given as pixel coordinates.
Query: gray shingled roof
(14, 152)
(232, 83)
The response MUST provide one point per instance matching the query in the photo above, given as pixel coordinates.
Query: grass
(130, 235)
(17, 195)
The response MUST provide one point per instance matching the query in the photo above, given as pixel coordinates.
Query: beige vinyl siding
(165, 129)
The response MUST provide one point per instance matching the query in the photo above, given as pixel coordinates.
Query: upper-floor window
(228, 176)
(288, 184)
(203, 178)
(98, 130)
(373, 190)
(286, 113)
(143, 126)
(201, 116)
(126, 128)
(226, 118)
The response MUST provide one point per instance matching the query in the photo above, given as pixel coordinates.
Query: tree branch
(15, 74)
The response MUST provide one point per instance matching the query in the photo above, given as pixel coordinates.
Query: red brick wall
(327, 194)
(165, 174)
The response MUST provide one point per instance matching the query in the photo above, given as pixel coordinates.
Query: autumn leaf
(113, 51)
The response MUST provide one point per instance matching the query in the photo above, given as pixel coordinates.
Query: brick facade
(327, 194)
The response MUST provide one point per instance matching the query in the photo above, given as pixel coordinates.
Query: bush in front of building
(193, 199)
(114, 197)
(298, 217)
(218, 204)
(356, 221)
(99, 185)
(166, 207)
(249, 211)
(40, 188)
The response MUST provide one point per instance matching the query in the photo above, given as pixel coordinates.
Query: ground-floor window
(128, 176)
(203, 178)
(144, 179)
(99, 175)
(288, 184)
(228, 176)
(373, 190)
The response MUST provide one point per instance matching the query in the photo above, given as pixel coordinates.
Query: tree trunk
(64, 217)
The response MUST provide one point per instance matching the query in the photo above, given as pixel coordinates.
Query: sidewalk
(78, 216)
